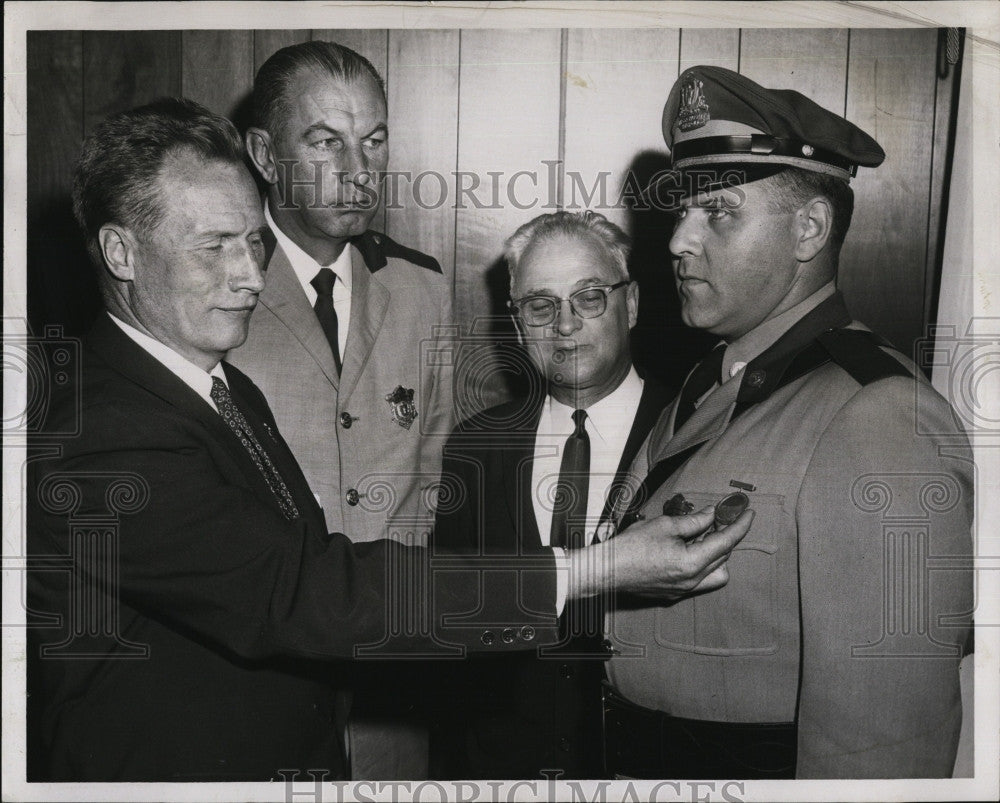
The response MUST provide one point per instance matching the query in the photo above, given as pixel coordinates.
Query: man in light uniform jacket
(345, 340)
(832, 652)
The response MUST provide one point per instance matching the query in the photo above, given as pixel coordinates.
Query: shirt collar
(758, 340)
(605, 416)
(195, 377)
(305, 266)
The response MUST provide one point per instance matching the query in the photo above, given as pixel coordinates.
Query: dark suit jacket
(191, 616)
(514, 716)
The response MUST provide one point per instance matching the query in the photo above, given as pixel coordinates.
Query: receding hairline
(608, 257)
(312, 71)
(183, 162)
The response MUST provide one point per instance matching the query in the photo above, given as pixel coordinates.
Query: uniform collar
(747, 348)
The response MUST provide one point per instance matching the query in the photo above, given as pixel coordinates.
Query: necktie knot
(323, 282)
(579, 418)
(219, 392)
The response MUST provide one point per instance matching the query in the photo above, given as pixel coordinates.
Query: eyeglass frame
(607, 289)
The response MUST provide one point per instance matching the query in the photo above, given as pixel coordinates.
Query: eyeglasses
(590, 302)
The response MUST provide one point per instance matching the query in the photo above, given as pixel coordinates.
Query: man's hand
(662, 558)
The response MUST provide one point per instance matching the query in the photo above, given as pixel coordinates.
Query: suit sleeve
(207, 556)
(458, 523)
(882, 625)
(440, 404)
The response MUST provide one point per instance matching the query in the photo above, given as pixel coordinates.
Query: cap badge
(402, 406)
(694, 108)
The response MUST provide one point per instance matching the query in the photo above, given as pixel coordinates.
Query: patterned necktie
(569, 516)
(241, 428)
(706, 374)
(323, 284)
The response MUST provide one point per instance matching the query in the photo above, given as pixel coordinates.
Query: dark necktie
(569, 515)
(241, 428)
(323, 284)
(703, 377)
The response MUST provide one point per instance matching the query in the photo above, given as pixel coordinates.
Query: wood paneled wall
(569, 105)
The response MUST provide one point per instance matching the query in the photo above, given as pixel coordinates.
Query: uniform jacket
(514, 716)
(218, 662)
(374, 477)
(833, 615)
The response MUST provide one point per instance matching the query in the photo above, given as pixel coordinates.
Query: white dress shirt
(306, 268)
(608, 424)
(195, 377)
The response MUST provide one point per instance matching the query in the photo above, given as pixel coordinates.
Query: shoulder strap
(859, 352)
(376, 248)
(856, 351)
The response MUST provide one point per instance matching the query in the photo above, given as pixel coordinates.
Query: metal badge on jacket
(402, 406)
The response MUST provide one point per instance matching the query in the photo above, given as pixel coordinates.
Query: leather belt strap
(759, 144)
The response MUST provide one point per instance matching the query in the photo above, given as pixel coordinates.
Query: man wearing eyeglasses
(540, 471)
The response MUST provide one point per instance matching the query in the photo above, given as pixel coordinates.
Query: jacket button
(508, 635)
(488, 637)
(527, 632)
(566, 671)
(346, 419)
(564, 744)
(353, 497)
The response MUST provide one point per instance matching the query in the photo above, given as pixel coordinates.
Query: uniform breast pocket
(742, 617)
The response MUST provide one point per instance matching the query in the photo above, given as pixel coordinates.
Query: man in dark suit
(574, 306)
(185, 586)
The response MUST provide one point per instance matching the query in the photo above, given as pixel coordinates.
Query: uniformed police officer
(828, 654)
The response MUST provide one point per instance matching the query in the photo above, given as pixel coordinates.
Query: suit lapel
(369, 302)
(122, 354)
(516, 464)
(654, 400)
(284, 296)
(254, 408)
(708, 421)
